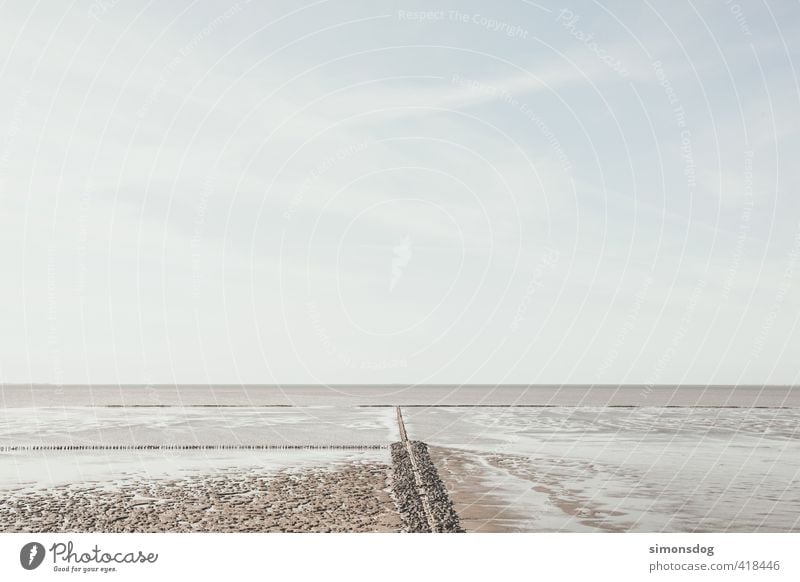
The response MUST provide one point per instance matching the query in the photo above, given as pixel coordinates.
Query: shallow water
(42, 469)
(642, 469)
(406, 395)
(181, 426)
(194, 426)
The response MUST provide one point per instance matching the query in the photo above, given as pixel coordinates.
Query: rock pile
(404, 488)
(444, 514)
(412, 496)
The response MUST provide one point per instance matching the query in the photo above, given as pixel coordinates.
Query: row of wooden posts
(233, 447)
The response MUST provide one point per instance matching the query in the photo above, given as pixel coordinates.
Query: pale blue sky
(399, 192)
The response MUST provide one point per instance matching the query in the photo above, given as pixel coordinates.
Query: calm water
(352, 395)
(622, 469)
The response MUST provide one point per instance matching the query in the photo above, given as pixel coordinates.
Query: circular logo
(31, 555)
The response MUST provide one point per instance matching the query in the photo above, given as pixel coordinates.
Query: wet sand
(349, 497)
(614, 470)
(479, 508)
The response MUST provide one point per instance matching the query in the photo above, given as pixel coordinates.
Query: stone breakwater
(441, 506)
(404, 489)
(421, 497)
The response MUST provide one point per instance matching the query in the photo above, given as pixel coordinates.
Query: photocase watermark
(197, 235)
(66, 558)
(421, 15)
(95, 559)
(685, 146)
(82, 270)
(31, 555)
(100, 7)
(569, 20)
(402, 254)
(318, 171)
(487, 22)
(184, 51)
(744, 224)
(780, 297)
(665, 83)
(84, 205)
(680, 334)
(631, 319)
(507, 97)
(52, 318)
(13, 131)
(341, 357)
(546, 263)
(689, 166)
(739, 16)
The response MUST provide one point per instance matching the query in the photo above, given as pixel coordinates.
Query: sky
(394, 192)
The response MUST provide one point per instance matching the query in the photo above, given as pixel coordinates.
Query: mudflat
(349, 497)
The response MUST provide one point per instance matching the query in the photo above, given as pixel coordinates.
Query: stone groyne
(404, 489)
(421, 497)
(441, 506)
